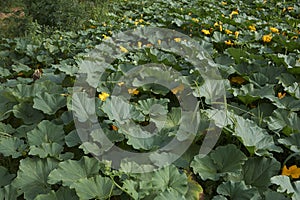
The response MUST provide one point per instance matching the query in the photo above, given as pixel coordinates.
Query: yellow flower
(92, 26)
(267, 38)
(120, 83)
(229, 42)
(139, 44)
(178, 89)
(133, 91)
(281, 95)
(113, 127)
(158, 42)
(252, 28)
(224, 3)
(228, 31)
(235, 12)
(236, 33)
(274, 30)
(206, 32)
(293, 171)
(123, 49)
(177, 39)
(216, 24)
(195, 20)
(136, 23)
(189, 13)
(105, 37)
(103, 96)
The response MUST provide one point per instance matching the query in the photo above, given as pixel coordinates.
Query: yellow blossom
(123, 49)
(103, 96)
(133, 91)
(224, 3)
(177, 39)
(281, 95)
(189, 13)
(293, 171)
(235, 12)
(252, 28)
(195, 20)
(228, 31)
(113, 127)
(105, 37)
(136, 23)
(178, 89)
(139, 44)
(274, 30)
(120, 83)
(158, 42)
(229, 42)
(206, 32)
(290, 8)
(267, 38)
(92, 26)
(236, 33)
(216, 24)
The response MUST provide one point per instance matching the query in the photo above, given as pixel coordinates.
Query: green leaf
(120, 110)
(46, 132)
(49, 103)
(145, 106)
(6, 177)
(170, 178)
(285, 186)
(32, 176)
(225, 160)
(71, 171)
(72, 139)
(238, 191)
(27, 113)
(62, 193)
(83, 107)
(272, 195)
(8, 192)
(258, 171)
(293, 142)
(95, 187)
(130, 187)
(46, 149)
(12, 146)
(170, 193)
(252, 136)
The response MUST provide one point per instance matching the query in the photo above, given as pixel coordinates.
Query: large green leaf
(170, 193)
(6, 177)
(95, 187)
(12, 146)
(83, 107)
(286, 186)
(258, 171)
(27, 113)
(293, 142)
(71, 171)
(63, 193)
(46, 149)
(170, 178)
(256, 139)
(46, 132)
(32, 176)
(8, 192)
(49, 103)
(238, 191)
(224, 161)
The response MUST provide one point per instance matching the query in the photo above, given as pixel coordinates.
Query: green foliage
(44, 156)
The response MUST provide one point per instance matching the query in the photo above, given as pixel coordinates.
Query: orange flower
(281, 95)
(293, 171)
(133, 91)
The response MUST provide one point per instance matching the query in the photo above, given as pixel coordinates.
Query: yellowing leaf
(292, 171)
(113, 127)
(103, 96)
(133, 91)
(123, 49)
(177, 89)
(237, 80)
